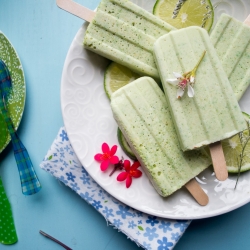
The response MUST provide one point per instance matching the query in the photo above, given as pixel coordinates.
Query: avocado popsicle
(142, 113)
(209, 112)
(231, 39)
(122, 32)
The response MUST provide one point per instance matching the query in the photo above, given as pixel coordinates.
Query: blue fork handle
(29, 181)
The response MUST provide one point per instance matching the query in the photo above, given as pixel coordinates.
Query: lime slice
(117, 76)
(124, 145)
(232, 149)
(190, 13)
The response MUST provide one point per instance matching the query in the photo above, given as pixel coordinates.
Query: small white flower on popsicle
(186, 80)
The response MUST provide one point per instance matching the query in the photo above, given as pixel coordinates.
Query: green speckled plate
(16, 99)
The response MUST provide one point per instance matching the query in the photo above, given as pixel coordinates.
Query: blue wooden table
(41, 34)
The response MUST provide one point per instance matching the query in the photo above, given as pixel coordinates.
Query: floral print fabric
(147, 231)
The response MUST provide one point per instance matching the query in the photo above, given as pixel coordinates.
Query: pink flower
(130, 171)
(108, 156)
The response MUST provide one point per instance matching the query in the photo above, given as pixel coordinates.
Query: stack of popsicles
(164, 131)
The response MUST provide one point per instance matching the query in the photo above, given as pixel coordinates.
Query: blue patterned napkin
(147, 231)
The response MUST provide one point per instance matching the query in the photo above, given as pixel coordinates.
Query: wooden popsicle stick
(197, 192)
(219, 162)
(247, 21)
(76, 9)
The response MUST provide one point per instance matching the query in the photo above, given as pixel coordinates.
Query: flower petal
(135, 165)
(128, 181)
(174, 81)
(190, 91)
(113, 150)
(192, 79)
(136, 174)
(105, 148)
(180, 93)
(104, 165)
(114, 159)
(122, 176)
(98, 157)
(177, 74)
(126, 165)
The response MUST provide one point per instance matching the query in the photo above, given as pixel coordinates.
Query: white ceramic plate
(89, 122)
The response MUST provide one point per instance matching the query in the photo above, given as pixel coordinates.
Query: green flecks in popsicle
(7, 228)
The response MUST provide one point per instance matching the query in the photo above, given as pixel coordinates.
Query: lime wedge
(185, 13)
(117, 76)
(124, 145)
(232, 148)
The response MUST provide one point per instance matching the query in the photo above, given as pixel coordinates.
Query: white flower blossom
(185, 81)
(182, 82)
